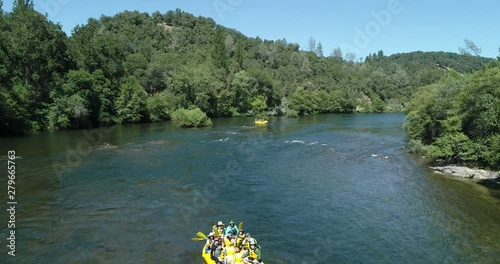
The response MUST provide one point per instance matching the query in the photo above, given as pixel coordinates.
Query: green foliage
(219, 53)
(83, 101)
(242, 85)
(459, 117)
(416, 147)
(131, 102)
(191, 118)
(431, 106)
(161, 106)
(259, 104)
(304, 101)
(455, 148)
(290, 113)
(479, 104)
(492, 153)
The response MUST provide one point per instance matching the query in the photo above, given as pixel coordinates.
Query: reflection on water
(318, 189)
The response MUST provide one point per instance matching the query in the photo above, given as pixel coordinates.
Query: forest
(139, 67)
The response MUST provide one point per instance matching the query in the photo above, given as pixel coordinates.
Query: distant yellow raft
(261, 121)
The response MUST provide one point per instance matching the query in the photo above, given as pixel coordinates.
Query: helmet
(232, 222)
(211, 234)
(220, 223)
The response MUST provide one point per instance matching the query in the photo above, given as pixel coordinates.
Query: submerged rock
(465, 172)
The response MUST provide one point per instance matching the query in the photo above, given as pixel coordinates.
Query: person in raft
(248, 240)
(210, 242)
(231, 230)
(229, 252)
(217, 253)
(254, 255)
(238, 255)
(219, 227)
(240, 238)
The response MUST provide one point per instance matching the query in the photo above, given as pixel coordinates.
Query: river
(317, 189)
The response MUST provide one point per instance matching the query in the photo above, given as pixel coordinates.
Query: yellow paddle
(216, 231)
(240, 226)
(201, 235)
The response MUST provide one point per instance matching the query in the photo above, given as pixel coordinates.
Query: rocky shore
(465, 172)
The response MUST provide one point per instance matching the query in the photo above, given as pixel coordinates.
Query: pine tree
(312, 44)
(319, 50)
(238, 54)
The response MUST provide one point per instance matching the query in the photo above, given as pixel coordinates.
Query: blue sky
(359, 26)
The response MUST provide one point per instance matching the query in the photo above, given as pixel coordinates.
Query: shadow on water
(493, 185)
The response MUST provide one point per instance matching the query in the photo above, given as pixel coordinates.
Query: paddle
(240, 226)
(216, 231)
(201, 235)
(197, 238)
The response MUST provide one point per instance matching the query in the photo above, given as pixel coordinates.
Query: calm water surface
(318, 189)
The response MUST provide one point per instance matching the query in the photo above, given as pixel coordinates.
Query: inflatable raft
(261, 122)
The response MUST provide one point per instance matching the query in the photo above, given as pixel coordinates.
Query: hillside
(139, 67)
(460, 63)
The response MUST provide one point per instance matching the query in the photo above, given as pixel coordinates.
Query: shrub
(191, 118)
(290, 113)
(455, 148)
(417, 147)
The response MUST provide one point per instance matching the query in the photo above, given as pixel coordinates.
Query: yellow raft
(261, 122)
(206, 256)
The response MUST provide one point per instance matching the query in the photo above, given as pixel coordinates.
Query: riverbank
(489, 179)
(466, 172)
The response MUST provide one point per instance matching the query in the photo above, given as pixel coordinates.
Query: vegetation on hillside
(139, 67)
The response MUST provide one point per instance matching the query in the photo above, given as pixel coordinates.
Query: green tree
(161, 106)
(131, 102)
(33, 59)
(479, 104)
(241, 89)
(238, 54)
(219, 54)
(259, 105)
(191, 118)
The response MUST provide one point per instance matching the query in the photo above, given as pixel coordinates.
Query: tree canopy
(459, 118)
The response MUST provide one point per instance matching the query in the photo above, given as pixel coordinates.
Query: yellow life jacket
(217, 230)
(238, 258)
(252, 254)
(239, 240)
(247, 244)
